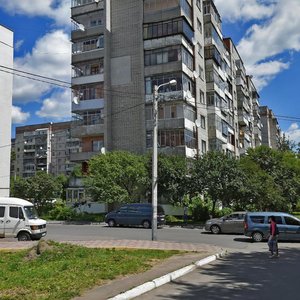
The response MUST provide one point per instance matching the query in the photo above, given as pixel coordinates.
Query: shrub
(62, 212)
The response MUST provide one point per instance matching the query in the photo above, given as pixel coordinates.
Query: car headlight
(34, 227)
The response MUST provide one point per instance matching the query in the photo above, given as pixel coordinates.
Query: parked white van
(18, 218)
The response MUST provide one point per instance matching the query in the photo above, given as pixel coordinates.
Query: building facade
(6, 83)
(44, 147)
(270, 128)
(123, 49)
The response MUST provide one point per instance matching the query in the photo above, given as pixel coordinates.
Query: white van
(18, 218)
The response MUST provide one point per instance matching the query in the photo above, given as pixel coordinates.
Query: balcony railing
(76, 3)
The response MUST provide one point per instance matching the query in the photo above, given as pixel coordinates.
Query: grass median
(62, 271)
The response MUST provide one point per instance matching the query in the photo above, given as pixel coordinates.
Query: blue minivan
(256, 226)
(135, 214)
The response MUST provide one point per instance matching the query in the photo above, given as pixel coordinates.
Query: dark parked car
(135, 214)
(257, 226)
(233, 223)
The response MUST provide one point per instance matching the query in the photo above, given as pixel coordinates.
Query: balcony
(82, 156)
(78, 130)
(88, 105)
(80, 7)
(243, 119)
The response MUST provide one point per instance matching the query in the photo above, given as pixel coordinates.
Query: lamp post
(154, 156)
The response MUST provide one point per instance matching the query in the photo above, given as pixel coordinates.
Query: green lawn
(63, 271)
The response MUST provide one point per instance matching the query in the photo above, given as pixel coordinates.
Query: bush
(200, 209)
(62, 212)
(172, 219)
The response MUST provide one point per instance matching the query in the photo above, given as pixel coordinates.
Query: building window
(202, 97)
(170, 27)
(198, 3)
(201, 72)
(203, 122)
(199, 26)
(200, 49)
(203, 146)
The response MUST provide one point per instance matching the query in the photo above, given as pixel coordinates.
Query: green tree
(117, 177)
(172, 177)
(219, 177)
(40, 189)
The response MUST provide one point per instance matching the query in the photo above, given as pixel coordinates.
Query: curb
(157, 282)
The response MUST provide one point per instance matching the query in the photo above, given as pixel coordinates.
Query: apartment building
(123, 49)
(270, 128)
(6, 82)
(44, 147)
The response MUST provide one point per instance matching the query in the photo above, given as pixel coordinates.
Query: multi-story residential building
(255, 114)
(271, 132)
(6, 81)
(219, 84)
(125, 49)
(44, 147)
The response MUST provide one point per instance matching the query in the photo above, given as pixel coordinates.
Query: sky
(266, 33)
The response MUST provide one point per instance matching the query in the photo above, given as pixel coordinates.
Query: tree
(172, 177)
(41, 189)
(219, 177)
(117, 177)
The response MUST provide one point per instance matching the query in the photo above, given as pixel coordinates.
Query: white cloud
(244, 10)
(18, 116)
(57, 10)
(264, 44)
(264, 72)
(293, 133)
(50, 57)
(58, 106)
(18, 45)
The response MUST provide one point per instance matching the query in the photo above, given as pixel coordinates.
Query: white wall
(6, 80)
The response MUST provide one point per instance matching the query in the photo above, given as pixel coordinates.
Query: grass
(63, 271)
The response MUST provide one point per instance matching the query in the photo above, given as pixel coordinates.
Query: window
(203, 122)
(291, 221)
(202, 97)
(203, 146)
(200, 49)
(14, 212)
(2, 210)
(199, 26)
(198, 3)
(257, 219)
(171, 27)
(201, 73)
(96, 146)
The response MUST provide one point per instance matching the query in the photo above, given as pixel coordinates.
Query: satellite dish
(197, 123)
(195, 74)
(194, 41)
(188, 95)
(102, 150)
(97, 1)
(76, 100)
(81, 27)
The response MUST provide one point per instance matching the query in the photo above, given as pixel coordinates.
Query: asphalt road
(239, 275)
(60, 232)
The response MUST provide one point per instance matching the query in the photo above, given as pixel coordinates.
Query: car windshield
(31, 212)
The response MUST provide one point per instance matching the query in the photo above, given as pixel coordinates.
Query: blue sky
(266, 33)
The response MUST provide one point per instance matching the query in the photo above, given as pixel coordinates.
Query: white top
(15, 201)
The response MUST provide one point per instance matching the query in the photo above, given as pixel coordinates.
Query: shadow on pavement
(242, 276)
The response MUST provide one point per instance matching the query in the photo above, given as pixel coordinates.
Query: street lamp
(154, 156)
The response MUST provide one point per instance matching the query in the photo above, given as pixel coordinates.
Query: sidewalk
(193, 253)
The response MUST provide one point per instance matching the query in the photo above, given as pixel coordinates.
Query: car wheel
(24, 236)
(146, 224)
(215, 229)
(257, 236)
(111, 223)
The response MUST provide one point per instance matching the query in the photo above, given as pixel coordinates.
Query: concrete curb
(157, 282)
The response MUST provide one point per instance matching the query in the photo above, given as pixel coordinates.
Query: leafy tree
(40, 189)
(117, 177)
(219, 177)
(172, 177)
